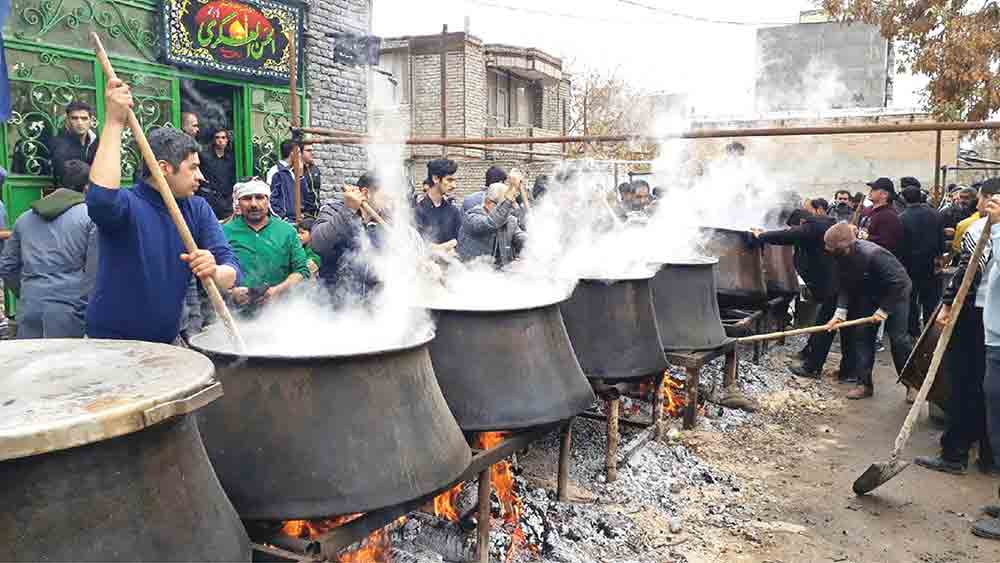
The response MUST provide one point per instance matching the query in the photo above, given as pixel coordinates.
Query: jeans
(863, 338)
(966, 364)
(923, 299)
(991, 392)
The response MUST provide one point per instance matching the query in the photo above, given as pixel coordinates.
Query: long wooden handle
(809, 330)
(942, 344)
(160, 183)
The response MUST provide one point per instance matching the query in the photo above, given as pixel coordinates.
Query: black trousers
(819, 344)
(966, 363)
(863, 338)
(925, 296)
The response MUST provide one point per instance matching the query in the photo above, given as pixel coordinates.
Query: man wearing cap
(922, 244)
(881, 225)
(268, 248)
(872, 282)
(965, 358)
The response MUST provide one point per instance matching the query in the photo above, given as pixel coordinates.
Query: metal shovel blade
(876, 475)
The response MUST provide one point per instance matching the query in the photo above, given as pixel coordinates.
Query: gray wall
(820, 64)
(339, 94)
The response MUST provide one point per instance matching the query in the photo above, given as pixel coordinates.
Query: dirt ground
(799, 466)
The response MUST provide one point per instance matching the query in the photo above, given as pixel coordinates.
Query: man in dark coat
(219, 168)
(76, 142)
(817, 269)
(923, 242)
(966, 357)
(492, 229)
(283, 185)
(872, 282)
(438, 218)
(881, 225)
(843, 207)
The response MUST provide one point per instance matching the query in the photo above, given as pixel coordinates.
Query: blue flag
(4, 82)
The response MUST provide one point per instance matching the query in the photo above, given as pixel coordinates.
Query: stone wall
(817, 166)
(338, 93)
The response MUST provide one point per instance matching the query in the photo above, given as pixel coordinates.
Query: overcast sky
(657, 51)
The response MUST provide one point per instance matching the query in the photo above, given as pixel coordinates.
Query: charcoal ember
(398, 555)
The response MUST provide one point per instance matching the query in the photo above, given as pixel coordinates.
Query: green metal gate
(50, 64)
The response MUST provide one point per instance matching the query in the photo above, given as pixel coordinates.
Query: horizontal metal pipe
(333, 137)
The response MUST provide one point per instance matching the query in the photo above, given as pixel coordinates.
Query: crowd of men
(883, 256)
(93, 259)
(97, 260)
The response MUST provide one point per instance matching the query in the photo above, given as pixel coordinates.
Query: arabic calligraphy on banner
(246, 38)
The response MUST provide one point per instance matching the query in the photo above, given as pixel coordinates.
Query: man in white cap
(267, 247)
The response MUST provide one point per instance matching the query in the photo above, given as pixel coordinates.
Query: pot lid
(60, 393)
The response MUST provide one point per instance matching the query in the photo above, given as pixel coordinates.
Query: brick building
(489, 91)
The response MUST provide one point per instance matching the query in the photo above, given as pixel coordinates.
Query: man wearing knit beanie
(872, 282)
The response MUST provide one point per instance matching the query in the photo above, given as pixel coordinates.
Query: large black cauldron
(612, 325)
(101, 458)
(313, 436)
(687, 307)
(741, 266)
(509, 367)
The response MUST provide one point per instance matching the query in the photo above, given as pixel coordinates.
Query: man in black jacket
(872, 282)
(219, 168)
(923, 242)
(966, 357)
(438, 218)
(816, 268)
(283, 185)
(76, 142)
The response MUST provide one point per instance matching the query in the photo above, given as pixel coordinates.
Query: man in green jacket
(268, 248)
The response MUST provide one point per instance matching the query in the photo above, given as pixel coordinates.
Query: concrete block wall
(817, 166)
(338, 93)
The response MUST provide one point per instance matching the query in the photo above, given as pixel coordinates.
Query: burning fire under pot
(613, 327)
(102, 460)
(687, 305)
(307, 437)
(507, 368)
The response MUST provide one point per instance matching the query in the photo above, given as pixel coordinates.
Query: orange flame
(673, 403)
(375, 548)
(444, 504)
(502, 476)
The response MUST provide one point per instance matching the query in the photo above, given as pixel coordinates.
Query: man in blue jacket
(283, 182)
(143, 268)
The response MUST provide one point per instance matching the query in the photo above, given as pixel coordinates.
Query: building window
(524, 103)
(392, 79)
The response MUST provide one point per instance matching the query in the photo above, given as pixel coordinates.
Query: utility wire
(701, 19)
(666, 12)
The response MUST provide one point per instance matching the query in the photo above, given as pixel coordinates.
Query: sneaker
(802, 371)
(861, 392)
(988, 528)
(880, 347)
(991, 510)
(941, 464)
(911, 395)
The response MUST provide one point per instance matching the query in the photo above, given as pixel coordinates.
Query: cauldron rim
(547, 301)
(692, 262)
(213, 352)
(611, 280)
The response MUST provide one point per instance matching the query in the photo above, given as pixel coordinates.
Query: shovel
(879, 473)
(160, 183)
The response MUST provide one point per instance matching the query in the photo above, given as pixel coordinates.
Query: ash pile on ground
(669, 502)
(666, 496)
